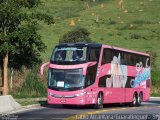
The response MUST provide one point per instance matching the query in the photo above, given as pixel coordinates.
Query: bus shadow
(45, 104)
(108, 106)
(155, 101)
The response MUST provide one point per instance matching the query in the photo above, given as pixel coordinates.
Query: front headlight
(80, 94)
(50, 94)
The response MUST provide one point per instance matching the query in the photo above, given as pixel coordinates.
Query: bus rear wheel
(134, 101)
(99, 104)
(140, 99)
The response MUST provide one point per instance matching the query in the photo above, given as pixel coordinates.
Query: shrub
(142, 22)
(32, 86)
(135, 36)
(78, 34)
(112, 22)
(155, 77)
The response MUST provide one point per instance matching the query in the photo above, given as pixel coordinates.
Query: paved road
(148, 111)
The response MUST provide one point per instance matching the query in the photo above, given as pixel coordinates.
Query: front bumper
(77, 100)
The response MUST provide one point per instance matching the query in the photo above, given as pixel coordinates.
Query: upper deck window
(94, 54)
(69, 54)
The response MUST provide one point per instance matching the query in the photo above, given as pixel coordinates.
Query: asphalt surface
(147, 111)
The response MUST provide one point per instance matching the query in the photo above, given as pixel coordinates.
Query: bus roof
(80, 44)
(100, 45)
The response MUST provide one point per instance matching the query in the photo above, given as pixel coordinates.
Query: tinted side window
(132, 59)
(148, 61)
(105, 81)
(91, 75)
(124, 58)
(143, 58)
(107, 56)
(94, 54)
(102, 82)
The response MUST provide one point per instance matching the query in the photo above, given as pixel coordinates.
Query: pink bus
(96, 74)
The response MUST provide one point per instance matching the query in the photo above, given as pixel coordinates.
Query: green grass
(26, 102)
(138, 29)
(32, 87)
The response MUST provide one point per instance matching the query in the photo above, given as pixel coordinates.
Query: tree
(78, 34)
(18, 34)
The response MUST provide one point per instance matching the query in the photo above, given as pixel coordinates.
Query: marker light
(50, 94)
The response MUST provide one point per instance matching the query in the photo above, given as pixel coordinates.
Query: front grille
(63, 96)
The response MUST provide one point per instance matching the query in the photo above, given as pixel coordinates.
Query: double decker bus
(97, 74)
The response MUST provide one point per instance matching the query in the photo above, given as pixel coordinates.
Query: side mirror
(42, 67)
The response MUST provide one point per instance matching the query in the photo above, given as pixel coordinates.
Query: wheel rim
(134, 100)
(140, 99)
(100, 101)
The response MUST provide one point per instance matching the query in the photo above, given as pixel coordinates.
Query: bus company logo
(142, 75)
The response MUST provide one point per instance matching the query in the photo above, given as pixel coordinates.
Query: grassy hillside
(132, 24)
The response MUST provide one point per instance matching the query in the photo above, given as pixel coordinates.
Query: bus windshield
(65, 79)
(69, 54)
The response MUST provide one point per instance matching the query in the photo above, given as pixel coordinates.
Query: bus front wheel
(99, 103)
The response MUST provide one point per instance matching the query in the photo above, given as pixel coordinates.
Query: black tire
(140, 99)
(99, 104)
(134, 101)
